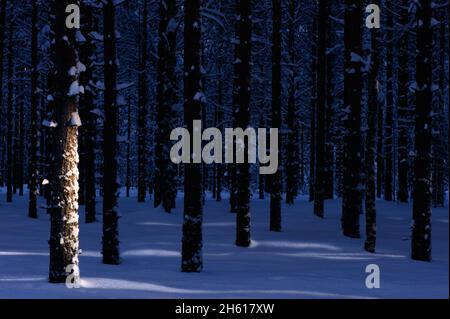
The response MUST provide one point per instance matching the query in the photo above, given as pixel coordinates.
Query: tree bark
(142, 108)
(110, 241)
(165, 173)
(192, 241)
(64, 178)
(371, 146)
(319, 183)
(403, 108)
(351, 201)
(275, 189)
(421, 227)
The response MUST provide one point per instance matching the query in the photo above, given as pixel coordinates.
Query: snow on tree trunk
(421, 227)
(192, 241)
(64, 178)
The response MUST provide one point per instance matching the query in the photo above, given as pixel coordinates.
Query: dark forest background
(363, 113)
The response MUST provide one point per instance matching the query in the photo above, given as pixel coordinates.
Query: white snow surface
(309, 259)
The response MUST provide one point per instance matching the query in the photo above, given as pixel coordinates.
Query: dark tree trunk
(88, 54)
(165, 173)
(388, 140)
(421, 227)
(242, 120)
(192, 241)
(312, 140)
(292, 165)
(275, 189)
(439, 144)
(403, 108)
(329, 126)
(128, 173)
(34, 116)
(219, 120)
(9, 114)
(20, 144)
(110, 248)
(319, 184)
(2, 41)
(64, 178)
(351, 201)
(371, 146)
(142, 108)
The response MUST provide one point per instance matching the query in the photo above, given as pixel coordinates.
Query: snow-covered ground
(309, 259)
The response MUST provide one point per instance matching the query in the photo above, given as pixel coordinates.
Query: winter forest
(91, 198)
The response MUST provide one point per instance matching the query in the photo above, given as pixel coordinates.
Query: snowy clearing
(309, 259)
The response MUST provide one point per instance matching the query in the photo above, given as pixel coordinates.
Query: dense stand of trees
(362, 113)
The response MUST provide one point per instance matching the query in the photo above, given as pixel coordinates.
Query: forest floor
(309, 259)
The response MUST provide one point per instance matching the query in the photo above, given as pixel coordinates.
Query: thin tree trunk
(421, 227)
(9, 103)
(275, 189)
(142, 109)
(88, 53)
(192, 241)
(403, 108)
(2, 41)
(371, 146)
(165, 173)
(33, 146)
(292, 165)
(110, 248)
(389, 141)
(319, 184)
(242, 120)
(351, 201)
(312, 151)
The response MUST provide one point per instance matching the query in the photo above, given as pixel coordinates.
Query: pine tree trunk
(421, 228)
(275, 189)
(351, 201)
(64, 178)
(9, 103)
(2, 41)
(371, 146)
(33, 146)
(142, 109)
(389, 141)
(312, 126)
(319, 183)
(292, 165)
(192, 241)
(165, 173)
(403, 109)
(88, 54)
(128, 173)
(242, 120)
(110, 240)
(20, 142)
